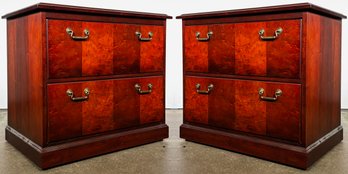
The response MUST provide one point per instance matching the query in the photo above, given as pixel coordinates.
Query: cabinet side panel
(25, 76)
(322, 76)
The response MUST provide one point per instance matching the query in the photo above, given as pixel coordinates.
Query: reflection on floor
(173, 155)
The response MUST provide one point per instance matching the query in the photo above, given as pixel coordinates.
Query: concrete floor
(173, 155)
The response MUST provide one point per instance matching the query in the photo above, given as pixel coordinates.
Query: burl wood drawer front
(248, 106)
(269, 49)
(78, 48)
(76, 109)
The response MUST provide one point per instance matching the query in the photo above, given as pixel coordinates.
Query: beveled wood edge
(300, 7)
(39, 155)
(49, 7)
(308, 155)
(105, 77)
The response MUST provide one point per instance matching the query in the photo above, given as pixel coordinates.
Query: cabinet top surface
(301, 7)
(48, 7)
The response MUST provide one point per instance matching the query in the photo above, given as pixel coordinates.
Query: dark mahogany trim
(48, 7)
(292, 155)
(301, 7)
(106, 19)
(51, 156)
(110, 77)
(239, 77)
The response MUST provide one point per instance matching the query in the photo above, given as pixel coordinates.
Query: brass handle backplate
(210, 88)
(203, 39)
(277, 93)
(144, 39)
(138, 89)
(70, 93)
(275, 36)
(70, 32)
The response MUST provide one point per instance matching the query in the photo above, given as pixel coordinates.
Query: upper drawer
(77, 48)
(251, 48)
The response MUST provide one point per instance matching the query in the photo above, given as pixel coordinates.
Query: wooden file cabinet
(264, 81)
(84, 82)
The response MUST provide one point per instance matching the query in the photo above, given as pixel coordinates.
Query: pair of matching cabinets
(262, 81)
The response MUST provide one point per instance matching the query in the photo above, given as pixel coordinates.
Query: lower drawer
(77, 109)
(241, 105)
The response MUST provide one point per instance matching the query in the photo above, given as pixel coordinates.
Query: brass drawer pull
(276, 34)
(70, 93)
(71, 34)
(138, 89)
(144, 39)
(204, 39)
(210, 88)
(277, 93)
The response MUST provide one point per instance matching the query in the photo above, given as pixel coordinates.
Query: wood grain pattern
(97, 12)
(258, 11)
(322, 75)
(44, 62)
(110, 49)
(291, 155)
(126, 52)
(126, 104)
(195, 53)
(221, 49)
(195, 105)
(55, 155)
(64, 115)
(250, 53)
(283, 115)
(304, 61)
(283, 54)
(97, 112)
(250, 112)
(152, 52)
(152, 105)
(26, 76)
(221, 108)
(96, 51)
(112, 105)
(64, 53)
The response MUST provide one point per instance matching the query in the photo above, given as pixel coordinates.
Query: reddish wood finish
(250, 111)
(235, 105)
(110, 49)
(107, 108)
(84, 10)
(152, 52)
(221, 103)
(126, 104)
(66, 63)
(279, 9)
(195, 52)
(323, 74)
(43, 122)
(55, 155)
(26, 76)
(283, 115)
(196, 105)
(251, 53)
(96, 57)
(292, 155)
(238, 49)
(221, 49)
(152, 105)
(64, 116)
(283, 55)
(126, 49)
(304, 62)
